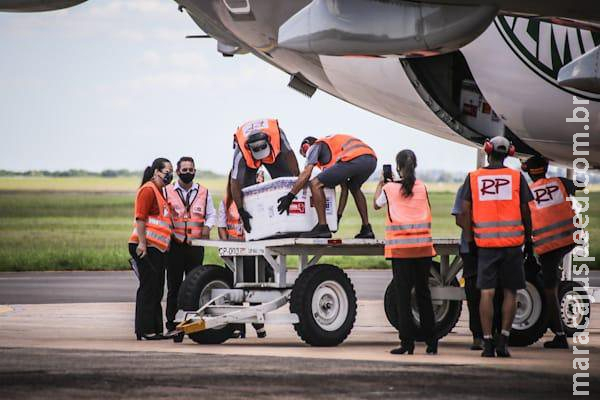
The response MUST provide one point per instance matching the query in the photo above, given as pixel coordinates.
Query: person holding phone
(148, 245)
(409, 245)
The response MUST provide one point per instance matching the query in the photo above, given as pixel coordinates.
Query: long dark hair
(228, 195)
(406, 162)
(157, 164)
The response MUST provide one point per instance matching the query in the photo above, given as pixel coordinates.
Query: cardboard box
(261, 202)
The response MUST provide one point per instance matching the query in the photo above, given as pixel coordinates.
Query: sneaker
(366, 232)
(477, 344)
(318, 232)
(261, 333)
(502, 346)
(559, 342)
(488, 348)
(171, 334)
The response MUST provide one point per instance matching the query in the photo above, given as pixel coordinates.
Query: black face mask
(168, 178)
(187, 177)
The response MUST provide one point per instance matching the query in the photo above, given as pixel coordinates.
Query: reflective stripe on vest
(158, 227)
(189, 220)
(408, 223)
(551, 215)
(496, 213)
(268, 126)
(235, 226)
(344, 148)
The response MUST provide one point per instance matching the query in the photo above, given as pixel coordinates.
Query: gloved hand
(528, 250)
(284, 202)
(246, 217)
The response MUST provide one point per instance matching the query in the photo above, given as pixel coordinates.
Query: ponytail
(159, 164)
(406, 162)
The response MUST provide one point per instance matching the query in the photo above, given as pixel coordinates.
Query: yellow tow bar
(192, 326)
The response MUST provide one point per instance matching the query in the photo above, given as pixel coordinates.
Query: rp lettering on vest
(548, 195)
(494, 187)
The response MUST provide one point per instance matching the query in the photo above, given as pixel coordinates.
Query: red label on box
(297, 207)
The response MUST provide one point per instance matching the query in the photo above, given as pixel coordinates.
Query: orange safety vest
(551, 215)
(158, 227)
(268, 126)
(344, 148)
(187, 221)
(496, 212)
(235, 226)
(408, 222)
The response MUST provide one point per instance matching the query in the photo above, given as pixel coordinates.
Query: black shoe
(488, 348)
(366, 232)
(559, 342)
(477, 344)
(318, 232)
(502, 346)
(261, 333)
(432, 347)
(405, 347)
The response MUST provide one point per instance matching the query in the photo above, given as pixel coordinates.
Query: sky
(114, 84)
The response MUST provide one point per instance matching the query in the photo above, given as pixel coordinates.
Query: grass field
(84, 223)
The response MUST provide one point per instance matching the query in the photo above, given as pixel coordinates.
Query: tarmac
(88, 350)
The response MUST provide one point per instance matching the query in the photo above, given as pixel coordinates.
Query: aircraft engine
(381, 28)
(36, 5)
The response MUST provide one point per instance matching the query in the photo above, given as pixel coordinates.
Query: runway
(86, 349)
(120, 286)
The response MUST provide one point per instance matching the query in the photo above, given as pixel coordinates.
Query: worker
(552, 219)
(256, 143)
(231, 227)
(148, 245)
(495, 214)
(344, 160)
(468, 253)
(193, 216)
(408, 243)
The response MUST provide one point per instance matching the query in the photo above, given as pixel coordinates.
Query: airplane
(463, 70)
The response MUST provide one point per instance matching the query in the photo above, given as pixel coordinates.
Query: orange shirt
(146, 204)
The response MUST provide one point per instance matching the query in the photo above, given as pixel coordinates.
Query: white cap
(501, 144)
(260, 149)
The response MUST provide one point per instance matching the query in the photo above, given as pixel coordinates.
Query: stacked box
(261, 202)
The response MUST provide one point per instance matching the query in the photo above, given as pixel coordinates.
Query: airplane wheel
(196, 290)
(571, 303)
(531, 320)
(446, 312)
(324, 300)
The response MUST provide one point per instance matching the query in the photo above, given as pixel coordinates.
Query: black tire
(323, 279)
(446, 314)
(567, 297)
(531, 320)
(188, 299)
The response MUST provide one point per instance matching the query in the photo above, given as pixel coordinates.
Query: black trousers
(148, 310)
(182, 259)
(412, 273)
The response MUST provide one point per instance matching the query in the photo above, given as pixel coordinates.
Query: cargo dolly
(214, 300)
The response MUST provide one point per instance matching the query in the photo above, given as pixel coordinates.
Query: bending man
(344, 160)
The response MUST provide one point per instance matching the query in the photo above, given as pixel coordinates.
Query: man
(256, 143)
(193, 216)
(496, 214)
(552, 223)
(344, 160)
(468, 254)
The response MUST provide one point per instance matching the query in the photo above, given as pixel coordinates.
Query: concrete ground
(88, 350)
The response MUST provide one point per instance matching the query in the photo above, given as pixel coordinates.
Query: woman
(148, 245)
(409, 245)
(231, 227)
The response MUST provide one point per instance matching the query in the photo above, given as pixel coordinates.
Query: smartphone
(387, 173)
